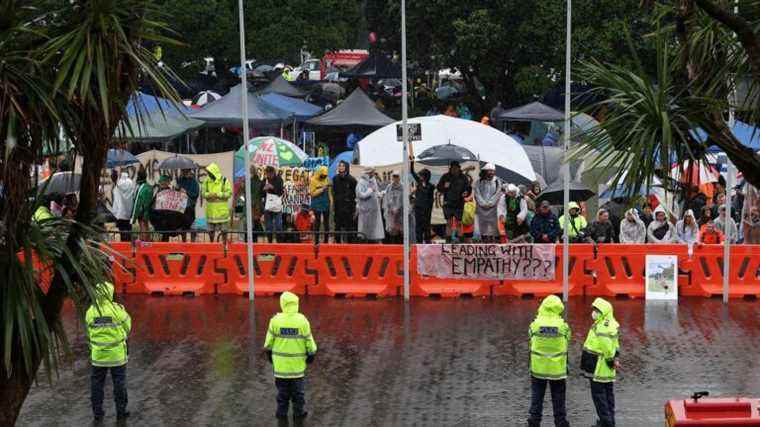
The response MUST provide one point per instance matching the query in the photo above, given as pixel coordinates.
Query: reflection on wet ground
(197, 361)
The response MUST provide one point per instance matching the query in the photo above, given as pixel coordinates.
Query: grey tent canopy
(227, 111)
(356, 110)
(158, 126)
(283, 87)
(535, 111)
(374, 67)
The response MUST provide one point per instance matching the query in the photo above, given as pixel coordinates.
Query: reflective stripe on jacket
(289, 339)
(602, 341)
(549, 340)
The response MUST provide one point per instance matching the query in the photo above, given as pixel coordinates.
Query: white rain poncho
(660, 232)
(632, 231)
(370, 221)
(487, 195)
(393, 206)
(688, 234)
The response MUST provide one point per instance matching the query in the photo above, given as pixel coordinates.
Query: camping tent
(149, 104)
(227, 111)
(356, 110)
(302, 110)
(158, 126)
(533, 111)
(283, 87)
(376, 66)
(382, 148)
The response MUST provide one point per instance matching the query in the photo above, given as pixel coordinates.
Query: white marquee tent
(381, 147)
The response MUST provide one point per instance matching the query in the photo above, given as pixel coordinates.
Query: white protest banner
(487, 261)
(170, 200)
(470, 168)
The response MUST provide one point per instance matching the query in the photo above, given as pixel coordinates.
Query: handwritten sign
(170, 200)
(266, 154)
(488, 261)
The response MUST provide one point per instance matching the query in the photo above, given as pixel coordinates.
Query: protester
(304, 222)
(601, 230)
(751, 225)
(720, 200)
(487, 196)
(660, 230)
(545, 227)
(710, 235)
(393, 209)
(344, 200)
(469, 219)
(424, 196)
(143, 202)
(632, 229)
(257, 200)
(319, 190)
(217, 192)
(122, 202)
(370, 225)
(272, 189)
(647, 215)
(513, 213)
(189, 185)
(687, 230)
(705, 216)
(453, 185)
(727, 226)
(576, 223)
(165, 221)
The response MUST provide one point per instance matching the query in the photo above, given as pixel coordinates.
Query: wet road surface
(197, 361)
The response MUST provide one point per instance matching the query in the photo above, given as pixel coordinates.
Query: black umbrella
(555, 193)
(62, 183)
(447, 152)
(177, 162)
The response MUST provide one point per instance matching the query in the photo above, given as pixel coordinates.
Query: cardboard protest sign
(487, 261)
(170, 200)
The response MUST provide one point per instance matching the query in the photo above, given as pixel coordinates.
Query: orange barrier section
(123, 266)
(177, 269)
(278, 268)
(621, 269)
(581, 255)
(43, 274)
(707, 271)
(358, 270)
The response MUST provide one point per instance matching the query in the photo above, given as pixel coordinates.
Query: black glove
(269, 355)
(309, 359)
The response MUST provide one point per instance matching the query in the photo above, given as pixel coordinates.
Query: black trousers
(323, 219)
(290, 390)
(125, 226)
(344, 221)
(97, 382)
(603, 395)
(537, 391)
(422, 225)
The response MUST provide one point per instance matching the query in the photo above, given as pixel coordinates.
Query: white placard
(662, 278)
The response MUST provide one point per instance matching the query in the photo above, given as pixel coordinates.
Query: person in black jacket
(423, 204)
(272, 188)
(602, 230)
(453, 185)
(344, 199)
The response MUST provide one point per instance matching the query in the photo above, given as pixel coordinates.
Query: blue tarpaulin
(302, 110)
(149, 104)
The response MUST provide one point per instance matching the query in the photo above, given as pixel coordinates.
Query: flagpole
(405, 155)
(244, 107)
(566, 165)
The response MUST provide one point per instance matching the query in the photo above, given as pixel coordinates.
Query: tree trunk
(13, 392)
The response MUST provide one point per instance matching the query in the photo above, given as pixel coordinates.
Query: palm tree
(74, 67)
(650, 121)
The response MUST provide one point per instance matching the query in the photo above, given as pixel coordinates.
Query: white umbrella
(702, 173)
(205, 97)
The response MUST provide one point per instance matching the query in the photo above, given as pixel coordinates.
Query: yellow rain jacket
(219, 189)
(289, 339)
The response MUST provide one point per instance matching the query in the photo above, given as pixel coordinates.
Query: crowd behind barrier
(368, 270)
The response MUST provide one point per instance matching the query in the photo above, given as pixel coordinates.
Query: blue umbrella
(117, 157)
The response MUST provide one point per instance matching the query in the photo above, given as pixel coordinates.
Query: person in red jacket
(710, 235)
(304, 221)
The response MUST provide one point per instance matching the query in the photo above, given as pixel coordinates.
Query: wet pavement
(197, 361)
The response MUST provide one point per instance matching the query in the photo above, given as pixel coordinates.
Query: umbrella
(61, 183)
(117, 157)
(448, 152)
(554, 194)
(346, 156)
(204, 97)
(177, 162)
(694, 174)
(269, 151)
(445, 92)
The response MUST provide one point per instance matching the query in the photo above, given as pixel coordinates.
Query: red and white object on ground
(702, 411)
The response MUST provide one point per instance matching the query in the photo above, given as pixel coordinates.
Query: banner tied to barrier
(487, 261)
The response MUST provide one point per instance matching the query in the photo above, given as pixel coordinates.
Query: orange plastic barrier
(621, 269)
(707, 271)
(358, 270)
(177, 269)
(581, 255)
(42, 273)
(123, 266)
(277, 267)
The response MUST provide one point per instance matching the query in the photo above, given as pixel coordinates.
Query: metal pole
(566, 164)
(244, 106)
(405, 155)
(729, 186)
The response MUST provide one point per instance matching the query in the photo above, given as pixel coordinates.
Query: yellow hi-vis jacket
(289, 339)
(108, 325)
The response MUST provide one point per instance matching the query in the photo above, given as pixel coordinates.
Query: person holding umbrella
(453, 185)
(217, 192)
